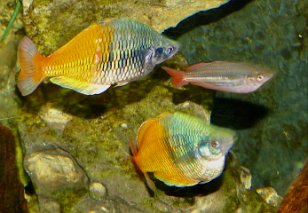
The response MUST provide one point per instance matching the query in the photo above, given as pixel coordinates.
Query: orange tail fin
(30, 61)
(177, 76)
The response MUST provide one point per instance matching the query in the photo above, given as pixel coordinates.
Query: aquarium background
(92, 133)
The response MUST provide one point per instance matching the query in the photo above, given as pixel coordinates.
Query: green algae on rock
(9, 103)
(10, 19)
(100, 142)
(101, 145)
(45, 21)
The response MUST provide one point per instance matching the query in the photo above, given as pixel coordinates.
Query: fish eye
(214, 147)
(159, 51)
(260, 77)
(209, 149)
(214, 144)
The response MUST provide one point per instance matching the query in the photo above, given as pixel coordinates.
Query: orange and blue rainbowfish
(236, 77)
(115, 51)
(181, 150)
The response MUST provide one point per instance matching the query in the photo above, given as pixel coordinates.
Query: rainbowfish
(115, 51)
(181, 150)
(224, 76)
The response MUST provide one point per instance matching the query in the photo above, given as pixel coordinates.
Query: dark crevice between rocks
(205, 18)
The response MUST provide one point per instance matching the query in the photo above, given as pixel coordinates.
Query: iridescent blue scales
(181, 150)
(116, 51)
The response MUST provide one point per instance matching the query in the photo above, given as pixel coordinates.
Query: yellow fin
(79, 86)
(173, 179)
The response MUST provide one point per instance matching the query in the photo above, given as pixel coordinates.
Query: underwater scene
(153, 106)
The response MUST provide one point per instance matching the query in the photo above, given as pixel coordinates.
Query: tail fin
(177, 76)
(30, 61)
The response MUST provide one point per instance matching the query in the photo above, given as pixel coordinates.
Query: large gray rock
(52, 170)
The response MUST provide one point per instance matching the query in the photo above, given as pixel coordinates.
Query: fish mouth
(228, 143)
(268, 76)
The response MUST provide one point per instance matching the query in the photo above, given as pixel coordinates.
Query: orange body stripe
(81, 57)
(153, 156)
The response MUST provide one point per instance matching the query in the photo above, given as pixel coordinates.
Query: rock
(97, 191)
(195, 109)
(48, 205)
(231, 194)
(269, 195)
(96, 137)
(45, 21)
(7, 8)
(107, 205)
(52, 170)
(55, 118)
(9, 103)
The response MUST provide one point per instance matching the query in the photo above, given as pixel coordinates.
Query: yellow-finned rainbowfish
(236, 77)
(181, 150)
(115, 51)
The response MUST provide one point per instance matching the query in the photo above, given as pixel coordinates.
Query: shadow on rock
(192, 191)
(236, 114)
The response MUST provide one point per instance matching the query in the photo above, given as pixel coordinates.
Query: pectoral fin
(79, 86)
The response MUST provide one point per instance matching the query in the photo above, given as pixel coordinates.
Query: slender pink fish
(236, 77)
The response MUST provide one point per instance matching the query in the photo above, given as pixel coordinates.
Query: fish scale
(183, 144)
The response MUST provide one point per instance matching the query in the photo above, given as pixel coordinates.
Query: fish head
(211, 152)
(259, 77)
(216, 144)
(163, 52)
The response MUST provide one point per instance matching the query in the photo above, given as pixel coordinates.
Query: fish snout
(228, 142)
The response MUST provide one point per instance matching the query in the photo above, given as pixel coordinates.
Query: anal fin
(175, 179)
(121, 84)
(79, 86)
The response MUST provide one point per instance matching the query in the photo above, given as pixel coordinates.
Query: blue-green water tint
(272, 33)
